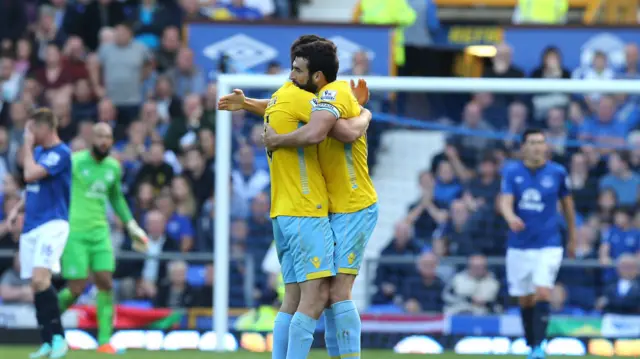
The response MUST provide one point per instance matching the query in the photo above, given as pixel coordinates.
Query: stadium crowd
(123, 63)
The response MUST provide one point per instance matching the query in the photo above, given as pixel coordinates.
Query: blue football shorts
(305, 247)
(352, 232)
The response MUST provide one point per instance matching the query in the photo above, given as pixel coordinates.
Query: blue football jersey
(536, 194)
(48, 198)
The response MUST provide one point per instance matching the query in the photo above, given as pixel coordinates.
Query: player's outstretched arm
(237, 101)
(312, 133)
(120, 206)
(349, 130)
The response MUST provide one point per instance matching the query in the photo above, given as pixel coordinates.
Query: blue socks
(540, 320)
(348, 324)
(300, 336)
(527, 324)
(331, 334)
(281, 335)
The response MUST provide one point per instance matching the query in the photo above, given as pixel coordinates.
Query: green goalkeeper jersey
(93, 184)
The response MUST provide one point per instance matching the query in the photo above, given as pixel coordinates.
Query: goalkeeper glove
(138, 235)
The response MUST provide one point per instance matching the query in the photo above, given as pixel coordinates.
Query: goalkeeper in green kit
(96, 180)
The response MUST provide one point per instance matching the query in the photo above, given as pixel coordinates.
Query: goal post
(226, 83)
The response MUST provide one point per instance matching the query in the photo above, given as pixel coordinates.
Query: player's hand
(28, 138)
(360, 91)
(232, 101)
(269, 138)
(515, 224)
(11, 219)
(139, 237)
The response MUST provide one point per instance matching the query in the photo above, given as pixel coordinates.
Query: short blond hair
(44, 115)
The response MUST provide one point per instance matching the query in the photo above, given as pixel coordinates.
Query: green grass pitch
(15, 352)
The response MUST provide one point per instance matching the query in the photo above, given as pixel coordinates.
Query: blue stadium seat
(384, 309)
(141, 304)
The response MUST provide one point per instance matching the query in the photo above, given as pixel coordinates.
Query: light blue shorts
(352, 232)
(305, 248)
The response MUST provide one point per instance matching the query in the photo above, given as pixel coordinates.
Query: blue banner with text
(252, 47)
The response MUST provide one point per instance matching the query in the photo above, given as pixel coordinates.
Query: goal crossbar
(226, 83)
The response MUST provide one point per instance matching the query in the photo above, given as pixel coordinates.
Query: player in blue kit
(47, 173)
(531, 190)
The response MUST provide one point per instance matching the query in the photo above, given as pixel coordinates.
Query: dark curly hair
(321, 56)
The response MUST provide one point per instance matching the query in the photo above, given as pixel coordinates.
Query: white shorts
(42, 247)
(528, 269)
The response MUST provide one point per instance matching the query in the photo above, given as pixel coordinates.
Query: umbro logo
(241, 49)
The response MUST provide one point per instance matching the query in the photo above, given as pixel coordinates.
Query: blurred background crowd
(125, 63)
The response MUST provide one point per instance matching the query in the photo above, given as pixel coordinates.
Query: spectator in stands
(205, 293)
(150, 19)
(622, 296)
(453, 237)
(9, 236)
(200, 177)
(98, 15)
(424, 214)
(247, 180)
(169, 105)
(241, 10)
(122, 63)
(558, 303)
(175, 292)
(207, 140)
(469, 148)
(447, 188)
(551, 67)
(56, 77)
(556, 132)
(390, 275)
(581, 283)
(607, 203)
(204, 227)
(179, 226)
(61, 107)
(620, 239)
(604, 128)
(152, 270)
(47, 32)
(631, 63)
(187, 78)
(621, 179)
(10, 79)
(25, 57)
(517, 118)
(108, 113)
(473, 291)
(583, 186)
(154, 170)
(598, 70)
(502, 67)
(182, 132)
(191, 12)
(5, 152)
(422, 291)
(482, 190)
(154, 125)
(170, 44)
(14, 289)
(18, 114)
(182, 195)
(84, 106)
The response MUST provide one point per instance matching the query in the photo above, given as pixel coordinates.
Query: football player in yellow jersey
(299, 208)
(353, 208)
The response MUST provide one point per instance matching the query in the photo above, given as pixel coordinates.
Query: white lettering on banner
(153, 340)
(503, 345)
(346, 50)
(620, 326)
(18, 316)
(418, 344)
(242, 50)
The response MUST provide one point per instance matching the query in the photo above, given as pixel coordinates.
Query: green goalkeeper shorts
(87, 251)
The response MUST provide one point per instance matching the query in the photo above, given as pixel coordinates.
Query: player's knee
(341, 288)
(104, 281)
(76, 287)
(40, 279)
(291, 298)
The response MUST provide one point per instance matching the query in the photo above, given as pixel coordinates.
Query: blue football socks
(281, 335)
(349, 327)
(331, 334)
(301, 336)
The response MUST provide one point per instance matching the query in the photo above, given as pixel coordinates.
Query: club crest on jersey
(531, 200)
(109, 176)
(546, 182)
(273, 101)
(328, 95)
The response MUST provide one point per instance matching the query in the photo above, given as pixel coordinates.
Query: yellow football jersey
(344, 166)
(297, 185)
